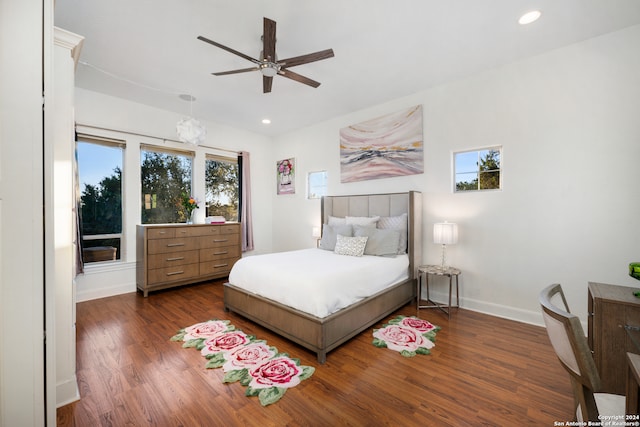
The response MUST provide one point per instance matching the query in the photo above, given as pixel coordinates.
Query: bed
(322, 333)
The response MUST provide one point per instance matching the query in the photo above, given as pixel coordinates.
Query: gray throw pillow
(330, 235)
(380, 242)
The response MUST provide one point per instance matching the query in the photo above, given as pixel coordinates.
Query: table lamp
(445, 233)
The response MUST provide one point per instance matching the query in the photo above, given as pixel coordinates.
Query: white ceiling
(146, 50)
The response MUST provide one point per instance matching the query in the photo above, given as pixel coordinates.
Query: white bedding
(316, 281)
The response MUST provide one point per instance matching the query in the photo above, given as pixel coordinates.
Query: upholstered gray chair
(570, 344)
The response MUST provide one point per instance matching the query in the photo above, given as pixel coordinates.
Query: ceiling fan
(268, 64)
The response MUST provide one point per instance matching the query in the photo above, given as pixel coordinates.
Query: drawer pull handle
(220, 265)
(220, 240)
(173, 273)
(175, 259)
(171, 245)
(221, 253)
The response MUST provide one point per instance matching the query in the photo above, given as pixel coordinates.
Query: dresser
(171, 255)
(611, 308)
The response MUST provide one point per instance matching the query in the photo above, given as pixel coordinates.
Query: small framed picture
(285, 171)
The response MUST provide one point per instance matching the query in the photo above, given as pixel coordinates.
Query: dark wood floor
(483, 371)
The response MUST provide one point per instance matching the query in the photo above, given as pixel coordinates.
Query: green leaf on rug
(237, 375)
(215, 361)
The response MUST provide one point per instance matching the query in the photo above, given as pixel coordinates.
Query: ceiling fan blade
(269, 40)
(242, 70)
(228, 49)
(299, 78)
(266, 84)
(305, 59)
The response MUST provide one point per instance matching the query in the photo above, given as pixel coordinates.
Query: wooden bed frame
(322, 335)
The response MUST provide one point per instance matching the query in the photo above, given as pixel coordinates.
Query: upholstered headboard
(390, 204)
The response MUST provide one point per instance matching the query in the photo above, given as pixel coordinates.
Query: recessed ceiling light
(266, 121)
(529, 17)
(186, 97)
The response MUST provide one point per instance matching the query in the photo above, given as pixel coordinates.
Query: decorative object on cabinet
(445, 233)
(286, 176)
(634, 270)
(383, 147)
(179, 254)
(611, 309)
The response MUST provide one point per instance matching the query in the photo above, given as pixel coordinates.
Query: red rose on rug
(205, 330)
(248, 356)
(281, 372)
(401, 338)
(418, 324)
(224, 343)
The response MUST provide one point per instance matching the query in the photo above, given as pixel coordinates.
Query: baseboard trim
(67, 392)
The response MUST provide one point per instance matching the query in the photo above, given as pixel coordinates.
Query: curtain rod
(152, 136)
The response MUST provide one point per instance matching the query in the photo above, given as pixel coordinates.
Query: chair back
(570, 344)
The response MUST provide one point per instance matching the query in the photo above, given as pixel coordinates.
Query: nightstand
(424, 271)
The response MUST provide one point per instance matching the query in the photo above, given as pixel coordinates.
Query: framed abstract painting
(384, 147)
(285, 171)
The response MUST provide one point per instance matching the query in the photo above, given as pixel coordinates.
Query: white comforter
(317, 281)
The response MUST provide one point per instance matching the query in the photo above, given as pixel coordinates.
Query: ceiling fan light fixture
(269, 69)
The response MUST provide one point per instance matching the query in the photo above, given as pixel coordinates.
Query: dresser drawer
(161, 233)
(172, 259)
(161, 246)
(219, 241)
(220, 266)
(212, 254)
(170, 274)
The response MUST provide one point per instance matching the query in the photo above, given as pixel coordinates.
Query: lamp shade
(315, 232)
(445, 233)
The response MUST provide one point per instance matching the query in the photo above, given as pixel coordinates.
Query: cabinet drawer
(186, 231)
(161, 246)
(219, 241)
(170, 274)
(230, 229)
(212, 254)
(221, 266)
(161, 233)
(172, 259)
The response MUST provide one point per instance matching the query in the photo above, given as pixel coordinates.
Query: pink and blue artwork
(384, 147)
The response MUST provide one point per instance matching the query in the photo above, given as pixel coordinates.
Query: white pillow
(335, 220)
(352, 246)
(365, 221)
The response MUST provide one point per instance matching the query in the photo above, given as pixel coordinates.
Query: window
(316, 184)
(478, 169)
(166, 178)
(100, 182)
(222, 182)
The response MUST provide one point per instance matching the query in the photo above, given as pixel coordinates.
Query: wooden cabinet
(611, 308)
(178, 254)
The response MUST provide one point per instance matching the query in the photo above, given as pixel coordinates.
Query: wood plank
(483, 370)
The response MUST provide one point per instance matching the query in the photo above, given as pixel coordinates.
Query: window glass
(317, 184)
(478, 169)
(222, 181)
(166, 180)
(100, 181)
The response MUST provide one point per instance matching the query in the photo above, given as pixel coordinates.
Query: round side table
(424, 271)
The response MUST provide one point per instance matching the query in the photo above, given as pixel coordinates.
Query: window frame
(111, 143)
(163, 150)
(228, 159)
(500, 170)
(323, 187)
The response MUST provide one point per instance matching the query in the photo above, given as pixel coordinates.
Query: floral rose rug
(261, 368)
(407, 335)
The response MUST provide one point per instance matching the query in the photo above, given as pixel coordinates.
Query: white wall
(569, 209)
(127, 121)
